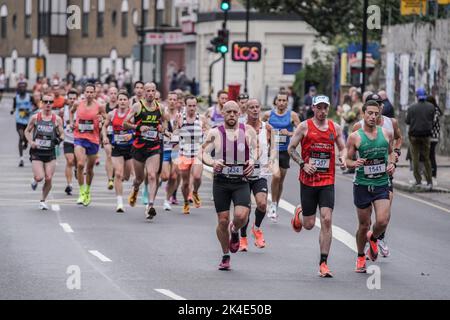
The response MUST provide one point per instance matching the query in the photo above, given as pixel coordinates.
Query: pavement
(176, 257)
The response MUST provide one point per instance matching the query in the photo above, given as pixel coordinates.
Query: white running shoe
(272, 213)
(43, 206)
(167, 206)
(384, 249)
(120, 209)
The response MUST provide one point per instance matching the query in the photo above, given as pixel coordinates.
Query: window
(124, 18)
(85, 18)
(44, 18)
(100, 18)
(58, 17)
(28, 11)
(14, 21)
(145, 12)
(4, 20)
(292, 62)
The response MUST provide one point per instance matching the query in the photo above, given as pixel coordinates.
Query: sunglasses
(47, 101)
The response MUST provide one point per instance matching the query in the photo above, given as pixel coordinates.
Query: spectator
(435, 135)
(128, 80)
(293, 100)
(347, 116)
(307, 102)
(59, 101)
(70, 77)
(388, 109)
(2, 83)
(357, 104)
(420, 119)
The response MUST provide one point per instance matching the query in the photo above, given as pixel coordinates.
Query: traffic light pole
(364, 48)
(224, 26)
(210, 79)
(247, 27)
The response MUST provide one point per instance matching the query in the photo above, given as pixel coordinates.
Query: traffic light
(225, 5)
(221, 42)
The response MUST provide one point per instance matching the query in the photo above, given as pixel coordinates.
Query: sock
(381, 237)
(259, 217)
(372, 238)
(360, 255)
(275, 204)
(120, 201)
(233, 229)
(244, 229)
(226, 256)
(21, 158)
(323, 258)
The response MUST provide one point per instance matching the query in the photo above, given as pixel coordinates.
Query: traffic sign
(246, 51)
(39, 65)
(411, 7)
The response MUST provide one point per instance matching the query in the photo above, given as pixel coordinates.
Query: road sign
(39, 65)
(413, 7)
(444, 1)
(246, 51)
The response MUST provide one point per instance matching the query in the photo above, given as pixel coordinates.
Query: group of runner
(153, 143)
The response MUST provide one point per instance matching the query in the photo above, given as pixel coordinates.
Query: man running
(110, 106)
(121, 141)
(283, 122)
(147, 120)
(242, 100)
(138, 93)
(318, 137)
(86, 140)
(68, 146)
(258, 181)
(44, 132)
(214, 114)
(391, 125)
(22, 108)
(235, 155)
(373, 146)
(191, 130)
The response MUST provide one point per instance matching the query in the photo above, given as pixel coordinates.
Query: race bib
(321, 160)
(121, 138)
(23, 114)
(175, 139)
(233, 171)
(43, 144)
(109, 130)
(280, 139)
(374, 168)
(150, 135)
(86, 126)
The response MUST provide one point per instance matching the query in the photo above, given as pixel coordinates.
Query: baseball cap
(374, 97)
(421, 94)
(243, 96)
(321, 99)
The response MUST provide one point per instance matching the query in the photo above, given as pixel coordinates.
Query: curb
(403, 186)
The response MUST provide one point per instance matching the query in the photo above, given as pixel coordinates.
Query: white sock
(275, 204)
(21, 158)
(120, 201)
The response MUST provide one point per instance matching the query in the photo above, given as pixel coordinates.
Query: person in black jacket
(420, 119)
(388, 109)
(435, 135)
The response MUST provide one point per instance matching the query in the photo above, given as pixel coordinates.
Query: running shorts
(124, 152)
(311, 197)
(69, 148)
(364, 196)
(170, 155)
(185, 163)
(284, 160)
(34, 156)
(258, 186)
(226, 191)
(90, 147)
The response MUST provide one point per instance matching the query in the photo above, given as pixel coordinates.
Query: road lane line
(66, 227)
(170, 294)
(97, 254)
(56, 207)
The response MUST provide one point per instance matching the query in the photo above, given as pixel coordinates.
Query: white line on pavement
(56, 207)
(170, 294)
(67, 228)
(97, 254)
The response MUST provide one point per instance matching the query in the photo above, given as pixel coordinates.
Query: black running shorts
(69, 148)
(364, 196)
(284, 160)
(312, 197)
(226, 191)
(124, 152)
(34, 156)
(258, 186)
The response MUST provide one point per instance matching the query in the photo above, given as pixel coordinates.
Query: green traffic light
(223, 49)
(225, 6)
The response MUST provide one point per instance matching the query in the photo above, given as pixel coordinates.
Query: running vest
(170, 142)
(153, 119)
(387, 124)
(234, 154)
(373, 173)
(278, 123)
(45, 135)
(263, 154)
(68, 132)
(216, 118)
(23, 109)
(109, 130)
(318, 149)
(119, 134)
(191, 137)
(87, 123)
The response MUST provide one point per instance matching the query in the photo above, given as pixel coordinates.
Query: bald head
(253, 109)
(382, 94)
(150, 91)
(230, 113)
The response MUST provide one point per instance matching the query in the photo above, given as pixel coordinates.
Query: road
(176, 256)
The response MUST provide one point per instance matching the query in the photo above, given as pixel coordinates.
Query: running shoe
(225, 264)
(167, 206)
(272, 214)
(21, 164)
(174, 201)
(372, 253)
(144, 195)
(234, 239)
(87, 198)
(384, 249)
(43, 206)
(259, 238)
(68, 190)
(150, 212)
(132, 198)
(296, 221)
(111, 184)
(120, 209)
(197, 201)
(324, 272)
(190, 199)
(34, 185)
(243, 244)
(81, 196)
(186, 208)
(361, 265)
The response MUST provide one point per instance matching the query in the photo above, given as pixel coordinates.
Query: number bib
(375, 168)
(321, 160)
(109, 130)
(23, 114)
(86, 126)
(150, 135)
(175, 139)
(121, 138)
(43, 144)
(280, 139)
(233, 171)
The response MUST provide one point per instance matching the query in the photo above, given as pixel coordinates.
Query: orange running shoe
(361, 265)
(324, 272)
(296, 222)
(372, 253)
(197, 201)
(186, 208)
(243, 244)
(259, 238)
(190, 198)
(133, 197)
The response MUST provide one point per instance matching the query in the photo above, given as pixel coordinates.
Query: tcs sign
(246, 51)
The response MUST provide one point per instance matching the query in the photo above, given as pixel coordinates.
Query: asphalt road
(176, 256)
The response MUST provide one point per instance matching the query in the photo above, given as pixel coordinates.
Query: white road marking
(56, 207)
(170, 294)
(97, 254)
(67, 228)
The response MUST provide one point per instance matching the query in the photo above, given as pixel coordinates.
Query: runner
(242, 100)
(214, 114)
(192, 127)
(122, 141)
(110, 106)
(138, 93)
(69, 147)
(235, 146)
(146, 119)
(169, 171)
(284, 123)
(22, 108)
(44, 132)
(375, 162)
(86, 140)
(318, 137)
(391, 125)
(258, 181)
